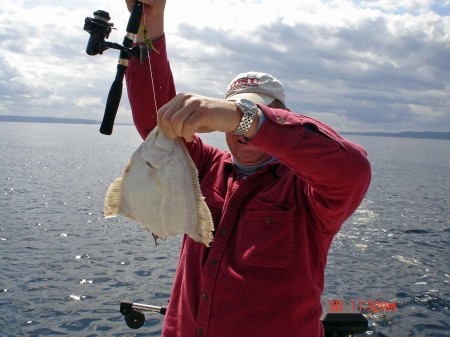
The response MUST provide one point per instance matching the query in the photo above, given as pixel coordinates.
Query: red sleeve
(142, 99)
(336, 171)
(141, 93)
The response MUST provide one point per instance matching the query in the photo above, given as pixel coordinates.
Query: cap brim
(256, 98)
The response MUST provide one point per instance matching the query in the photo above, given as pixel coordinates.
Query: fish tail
(112, 199)
(156, 237)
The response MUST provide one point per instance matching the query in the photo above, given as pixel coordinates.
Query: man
(277, 200)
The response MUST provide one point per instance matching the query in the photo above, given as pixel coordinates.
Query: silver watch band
(249, 110)
(244, 125)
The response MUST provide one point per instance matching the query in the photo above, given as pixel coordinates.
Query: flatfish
(160, 190)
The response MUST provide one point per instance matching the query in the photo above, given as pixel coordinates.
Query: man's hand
(130, 3)
(153, 18)
(186, 114)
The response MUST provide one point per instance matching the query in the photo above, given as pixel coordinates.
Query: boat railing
(335, 324)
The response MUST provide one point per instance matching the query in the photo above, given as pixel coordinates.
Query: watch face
(247, 104)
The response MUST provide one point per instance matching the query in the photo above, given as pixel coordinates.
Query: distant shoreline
(52, 120)
(60, 120)
(405, 134)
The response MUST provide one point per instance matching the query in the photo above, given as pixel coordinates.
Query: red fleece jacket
(263, 275)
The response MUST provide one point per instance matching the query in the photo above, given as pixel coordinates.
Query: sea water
(64, 269)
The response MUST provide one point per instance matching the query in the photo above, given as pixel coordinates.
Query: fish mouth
(241, 141)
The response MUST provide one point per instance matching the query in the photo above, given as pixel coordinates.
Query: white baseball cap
(260, 88)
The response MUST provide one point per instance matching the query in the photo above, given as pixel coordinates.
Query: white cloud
(399, 6)
(365, 65)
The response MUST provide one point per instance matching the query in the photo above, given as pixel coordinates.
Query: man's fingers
(165, 116)
(197, 121)
(187, 114)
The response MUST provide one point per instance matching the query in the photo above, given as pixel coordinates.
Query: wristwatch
(249, 110)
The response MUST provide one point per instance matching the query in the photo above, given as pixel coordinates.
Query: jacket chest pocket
(266, 238)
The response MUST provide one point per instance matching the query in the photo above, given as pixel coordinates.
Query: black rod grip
(113, 101)
(135, 18)
(133, 23)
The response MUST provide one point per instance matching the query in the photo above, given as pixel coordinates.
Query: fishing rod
(99, 29)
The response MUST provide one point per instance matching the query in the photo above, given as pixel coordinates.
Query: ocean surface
(64, 269)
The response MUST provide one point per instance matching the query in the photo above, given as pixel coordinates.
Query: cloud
(378, 69)
(361, 65)
(44, 68)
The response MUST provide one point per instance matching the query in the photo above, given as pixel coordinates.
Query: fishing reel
(99, 29)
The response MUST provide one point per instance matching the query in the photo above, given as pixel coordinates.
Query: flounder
(160, 190)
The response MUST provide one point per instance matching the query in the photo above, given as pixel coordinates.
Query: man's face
(245, 153)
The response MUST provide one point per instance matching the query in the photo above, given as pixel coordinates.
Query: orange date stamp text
(370, 306)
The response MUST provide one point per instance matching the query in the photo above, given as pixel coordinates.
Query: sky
(380, 65)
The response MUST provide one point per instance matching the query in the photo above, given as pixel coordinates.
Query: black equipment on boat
(99, 29)
(335, 324)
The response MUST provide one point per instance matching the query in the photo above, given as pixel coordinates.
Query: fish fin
(203, 230)
(205, 222)
(113, 198)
